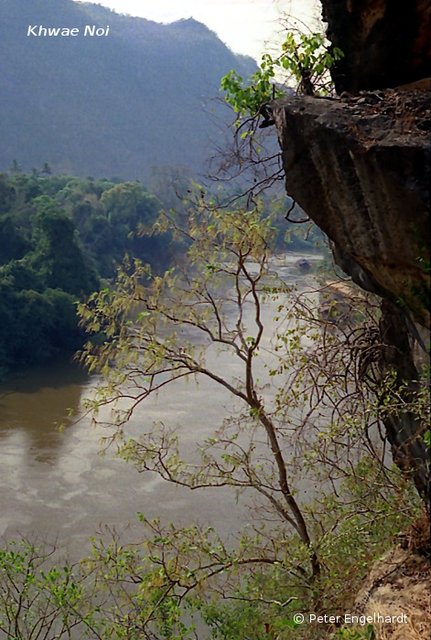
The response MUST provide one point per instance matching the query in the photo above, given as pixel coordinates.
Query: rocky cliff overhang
(361, 169)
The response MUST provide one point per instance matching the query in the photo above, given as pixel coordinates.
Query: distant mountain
(113, 105)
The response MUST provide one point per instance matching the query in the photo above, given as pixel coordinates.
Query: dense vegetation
(59, 238)
(109, 106)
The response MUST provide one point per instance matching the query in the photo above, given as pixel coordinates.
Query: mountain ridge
(114, 105)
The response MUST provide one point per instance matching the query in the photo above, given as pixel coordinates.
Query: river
(57, 486)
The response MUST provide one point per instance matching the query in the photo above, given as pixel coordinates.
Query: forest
(60, 237)
(64, 237)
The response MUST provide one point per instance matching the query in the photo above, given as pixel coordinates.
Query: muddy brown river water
(55, 483)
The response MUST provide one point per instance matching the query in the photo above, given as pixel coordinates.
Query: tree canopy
(59, 236)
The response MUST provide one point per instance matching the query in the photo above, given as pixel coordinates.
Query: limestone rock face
(385, 43)
(361, 169)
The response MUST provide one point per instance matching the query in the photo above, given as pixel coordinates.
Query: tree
(319, 421)
(305, 59)
(13, 244)
(57, 256)
(229, 251)
(302, 65)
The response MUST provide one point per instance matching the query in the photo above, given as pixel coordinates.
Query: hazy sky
(244, 25)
